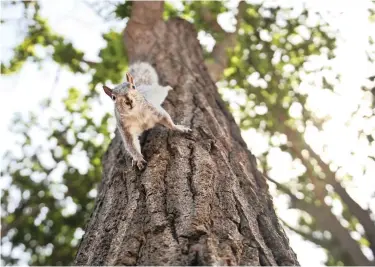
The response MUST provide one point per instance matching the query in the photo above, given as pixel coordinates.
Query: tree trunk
(201, 200)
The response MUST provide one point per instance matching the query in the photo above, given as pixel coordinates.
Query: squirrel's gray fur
(138, 107)
(144, 73)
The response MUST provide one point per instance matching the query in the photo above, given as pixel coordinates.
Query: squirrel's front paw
(141, 163)
(183, 129)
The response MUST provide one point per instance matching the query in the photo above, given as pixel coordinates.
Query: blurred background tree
(276, 65)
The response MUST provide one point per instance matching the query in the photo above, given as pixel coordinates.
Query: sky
(77, 21)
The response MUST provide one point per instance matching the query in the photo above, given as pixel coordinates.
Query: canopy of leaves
(56, 196)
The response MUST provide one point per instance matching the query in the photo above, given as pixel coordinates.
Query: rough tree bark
(201, 200)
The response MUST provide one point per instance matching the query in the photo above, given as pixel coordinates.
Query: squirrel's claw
(183, 129)
(141, 163)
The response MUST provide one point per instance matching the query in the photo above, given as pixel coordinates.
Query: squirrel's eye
(113, 97)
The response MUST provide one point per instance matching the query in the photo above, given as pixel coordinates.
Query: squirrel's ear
(107, 90)
(129, 79)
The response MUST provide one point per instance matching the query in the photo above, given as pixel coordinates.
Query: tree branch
(144, 12)
(326, 220)
(281, 187)
(362, 215)
(89, 62)
(308, 236)
(331, 245)
(145, 17)
(220, 59)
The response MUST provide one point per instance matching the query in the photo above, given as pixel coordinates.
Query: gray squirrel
(138, 108)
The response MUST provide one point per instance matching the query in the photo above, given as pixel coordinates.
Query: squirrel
(138, 108)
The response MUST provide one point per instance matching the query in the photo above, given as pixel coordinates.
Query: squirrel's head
(123, 95)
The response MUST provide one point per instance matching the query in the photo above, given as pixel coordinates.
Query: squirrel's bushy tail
(143, 73)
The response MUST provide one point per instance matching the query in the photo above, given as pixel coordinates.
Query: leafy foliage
(57, 195)
(39, 34)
